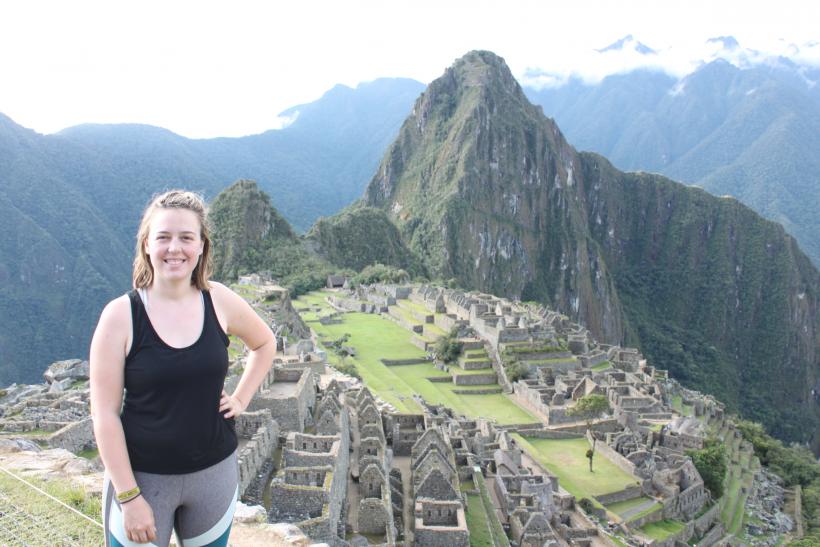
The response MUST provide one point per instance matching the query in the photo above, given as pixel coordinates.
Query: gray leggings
(199, 506)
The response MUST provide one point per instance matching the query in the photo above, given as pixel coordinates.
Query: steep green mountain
(751, 133)
(249, 235)
(359, 237)
(484, 188)
(56, 249)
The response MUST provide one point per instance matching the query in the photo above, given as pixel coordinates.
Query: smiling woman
(170, 442)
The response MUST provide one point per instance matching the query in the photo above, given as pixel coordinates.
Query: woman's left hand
(230, 406)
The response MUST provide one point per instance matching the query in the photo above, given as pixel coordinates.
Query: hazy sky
(209, 68)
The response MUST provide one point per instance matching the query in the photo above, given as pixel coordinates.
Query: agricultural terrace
(566, 459)
(375, 338)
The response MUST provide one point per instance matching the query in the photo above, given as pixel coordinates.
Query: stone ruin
(310, 488)
(438, 504)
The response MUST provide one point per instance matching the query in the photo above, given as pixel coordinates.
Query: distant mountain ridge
(752, 133)
(70, 203)
(483, 188)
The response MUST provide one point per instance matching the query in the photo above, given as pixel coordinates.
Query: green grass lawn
(662, 529)
(567, 460)
(434, 330)
(477, 522)
(414, 306)
(677, 404)
(405, 314)
(621, 507)
(376, 338)
(601, 366)
(462, 372)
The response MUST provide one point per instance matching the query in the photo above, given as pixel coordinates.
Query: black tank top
(171, 412)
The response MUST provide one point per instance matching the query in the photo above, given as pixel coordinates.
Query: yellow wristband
(128, 495)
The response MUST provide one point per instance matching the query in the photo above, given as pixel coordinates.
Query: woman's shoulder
(117, 309)
(222, 295)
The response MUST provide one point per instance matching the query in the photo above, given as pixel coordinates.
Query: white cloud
(209, 68)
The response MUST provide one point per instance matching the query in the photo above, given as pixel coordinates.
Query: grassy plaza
(566, 459)
(375, 338)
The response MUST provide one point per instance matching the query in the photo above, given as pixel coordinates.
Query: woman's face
(174, 244)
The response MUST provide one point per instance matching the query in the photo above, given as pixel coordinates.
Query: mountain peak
(727, 42)
(626, 43)
(480, 68)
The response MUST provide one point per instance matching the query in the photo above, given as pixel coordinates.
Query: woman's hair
(143, 274)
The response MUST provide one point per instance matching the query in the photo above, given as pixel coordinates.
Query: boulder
(249, 513)
(17, 445)
(58, 386)
(75, 369)
(17, 392)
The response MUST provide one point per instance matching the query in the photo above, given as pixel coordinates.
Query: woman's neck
(176, 290)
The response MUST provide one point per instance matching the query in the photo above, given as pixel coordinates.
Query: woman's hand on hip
(230, 405)
(138, 521)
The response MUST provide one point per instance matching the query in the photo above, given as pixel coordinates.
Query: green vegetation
(497, 535)
(516, 371)
(590, 407)
(448, 348)
(603, 365)
(622, 507)
(89, 454)
(376, 338)
(795, 464)
(249, 235)
(662, 529)
(379, 273)
(513, 350)
(710, 462)
(359, 237)
(566, 458)
(477, 522)
(61, 522)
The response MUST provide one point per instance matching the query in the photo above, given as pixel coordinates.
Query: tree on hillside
(710, 461)
(590, 407)
(448, 348)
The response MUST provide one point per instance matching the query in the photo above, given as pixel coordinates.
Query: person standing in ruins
(168, 444)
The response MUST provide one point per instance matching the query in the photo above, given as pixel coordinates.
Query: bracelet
(131, 499)
(128, 495)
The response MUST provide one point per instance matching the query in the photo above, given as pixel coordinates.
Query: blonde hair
(143, 275)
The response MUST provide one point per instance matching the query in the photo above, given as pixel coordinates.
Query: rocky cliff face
(485, 189)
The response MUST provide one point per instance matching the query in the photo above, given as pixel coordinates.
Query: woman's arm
(107, 364)
(241, 320)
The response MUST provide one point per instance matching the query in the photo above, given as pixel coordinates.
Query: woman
(169, 448)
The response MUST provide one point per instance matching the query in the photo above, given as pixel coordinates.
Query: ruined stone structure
(288, 393)
(258, 439)
(310, 487)
(526, 499)
(438, 506)
(375, 511)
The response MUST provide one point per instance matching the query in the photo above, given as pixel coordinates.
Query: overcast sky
(217, 68)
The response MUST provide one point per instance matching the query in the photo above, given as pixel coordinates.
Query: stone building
(438, 506)
(288, 393)
(310, 488)
(375, 511)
